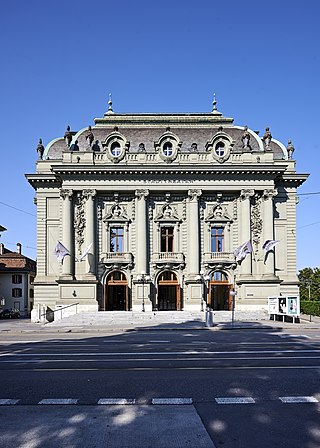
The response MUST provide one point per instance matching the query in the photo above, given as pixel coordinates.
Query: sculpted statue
(245, 138)
(267, 138)
(90, 136)
(40, 149)
(290, 149)
(141, 148)
(68, 136)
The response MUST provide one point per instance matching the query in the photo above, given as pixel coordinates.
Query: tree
(309, 283)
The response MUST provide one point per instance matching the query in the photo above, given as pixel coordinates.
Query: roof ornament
(267, 139)
(214, 103)
(290, 149)
(110, 110)
(245, 138)
(40, 149)
(68, 137)
(90, 136)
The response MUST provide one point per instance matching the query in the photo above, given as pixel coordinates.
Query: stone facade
(151, 208)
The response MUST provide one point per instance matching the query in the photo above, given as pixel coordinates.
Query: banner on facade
(269, 245)
(60, 251)
(242, 251)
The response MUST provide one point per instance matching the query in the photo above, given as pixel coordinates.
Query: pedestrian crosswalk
(161, 401)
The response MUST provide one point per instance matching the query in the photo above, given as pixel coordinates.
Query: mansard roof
(194, 130)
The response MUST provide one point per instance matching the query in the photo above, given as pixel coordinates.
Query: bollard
(209, 318)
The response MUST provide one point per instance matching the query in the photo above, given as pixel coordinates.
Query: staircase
(163, 319)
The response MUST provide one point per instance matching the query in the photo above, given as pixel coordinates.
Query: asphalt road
(247, 388)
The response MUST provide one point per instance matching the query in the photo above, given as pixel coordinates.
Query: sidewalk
(26, 326)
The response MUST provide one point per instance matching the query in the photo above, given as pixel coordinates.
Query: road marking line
(117, 401)
(6, 401)
(234, 400)
(172, 401)
(298, 400)
(58, 401)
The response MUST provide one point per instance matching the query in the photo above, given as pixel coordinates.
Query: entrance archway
(168, 292)
(219, 297)
(116, 296)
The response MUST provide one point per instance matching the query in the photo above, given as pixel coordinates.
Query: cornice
(194, 170)
(156, 119)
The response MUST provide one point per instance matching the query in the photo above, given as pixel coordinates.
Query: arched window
(219, 276)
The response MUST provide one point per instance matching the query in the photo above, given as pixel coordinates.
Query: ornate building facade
(151, 207)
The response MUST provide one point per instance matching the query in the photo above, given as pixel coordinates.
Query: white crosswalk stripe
(172, 401)
(116, 401)
(234, 400)
(6, 401)
(298, 399)
(58, 401)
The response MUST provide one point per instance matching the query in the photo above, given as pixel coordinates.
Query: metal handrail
(60, 309)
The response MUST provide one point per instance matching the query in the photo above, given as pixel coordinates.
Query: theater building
(151, 207)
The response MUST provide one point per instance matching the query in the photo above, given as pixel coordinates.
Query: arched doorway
(168, 292)
(116, 296)
(219, 298)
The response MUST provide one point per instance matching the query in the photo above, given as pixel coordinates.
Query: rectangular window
(217, 239)
(167, 239)
(116, 239)
(16, 292)
(16, 279)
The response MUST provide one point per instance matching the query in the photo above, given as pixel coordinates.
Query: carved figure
(267, 138)
(40, 149)
(68, 136)
(194, 147)
(90, 136)
(141, 148)
(245, 138)
(290, 149)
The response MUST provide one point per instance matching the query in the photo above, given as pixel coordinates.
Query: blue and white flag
(60, 251)
(242, 251)
(269, 245)
(85, 253)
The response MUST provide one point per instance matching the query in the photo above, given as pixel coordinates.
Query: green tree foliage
(309, 281)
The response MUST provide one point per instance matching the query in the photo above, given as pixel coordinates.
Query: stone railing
(218, 257)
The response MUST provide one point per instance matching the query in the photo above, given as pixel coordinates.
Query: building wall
(82, 194)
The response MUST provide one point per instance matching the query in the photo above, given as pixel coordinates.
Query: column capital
(142, 194)
(65, 193)
(194, 194)
(89, 193)
(246, 194)
(269, 194)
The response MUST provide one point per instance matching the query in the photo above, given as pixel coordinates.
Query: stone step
(128, 318)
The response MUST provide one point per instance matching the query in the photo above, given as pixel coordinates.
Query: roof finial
(110, 110)
(214, 103)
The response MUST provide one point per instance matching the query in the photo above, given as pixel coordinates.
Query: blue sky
(60, 60)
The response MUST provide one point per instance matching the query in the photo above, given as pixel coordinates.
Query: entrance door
(116, 292)
(219, 298)
(168, 297)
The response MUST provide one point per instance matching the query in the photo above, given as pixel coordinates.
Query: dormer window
(116, 146)
(168, 149)
(220, 149)
(115, 149)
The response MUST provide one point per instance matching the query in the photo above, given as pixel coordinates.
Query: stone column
(141, 231)
(194, 232)
(245, 228)
(268, 231)
(90, 238)
(67, 233)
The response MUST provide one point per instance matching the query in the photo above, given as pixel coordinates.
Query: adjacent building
(148, 210)
(17, 273)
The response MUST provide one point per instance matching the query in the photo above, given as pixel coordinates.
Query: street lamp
(143, 278)
(203, 278)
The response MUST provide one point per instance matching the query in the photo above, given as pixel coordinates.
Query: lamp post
(203, 278)
(143, 278)
(233, 294)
